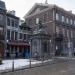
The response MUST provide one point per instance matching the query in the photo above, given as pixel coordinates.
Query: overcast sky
(23, 6)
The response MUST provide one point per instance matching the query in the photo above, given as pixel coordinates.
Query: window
(71, 21)
(30, 22)
(1, 16)
(8, 21)
(8, 34)
(67, 20)
(24, 36)
(57, 16)
(12, 35)
(63, 30)
(1, 28)
(16, 34)
(20, 36)
(67, 33)
(1, 32)
(71, 34)
(63, 19)
(45, 17)
(57, 29)
(37, 20)
(74, 22)
(16, 24)
(12, 23)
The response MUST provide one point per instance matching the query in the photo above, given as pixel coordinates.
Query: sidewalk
(61, 57)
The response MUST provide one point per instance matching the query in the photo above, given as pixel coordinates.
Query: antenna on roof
(46, 2)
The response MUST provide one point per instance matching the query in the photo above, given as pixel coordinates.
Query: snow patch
(18, 63)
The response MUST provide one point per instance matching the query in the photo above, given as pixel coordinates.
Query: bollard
(13, 66)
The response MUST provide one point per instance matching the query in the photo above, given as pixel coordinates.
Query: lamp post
(30, 53)
(13, 63)
(50, 44)
(13, 55)
(5, 54)
(6, 48)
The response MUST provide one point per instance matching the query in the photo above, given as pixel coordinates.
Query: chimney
(46, 2)
(12, 12)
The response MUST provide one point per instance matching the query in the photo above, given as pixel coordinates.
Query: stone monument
(40, 42)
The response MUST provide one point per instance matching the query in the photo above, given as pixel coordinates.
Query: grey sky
(22, 6)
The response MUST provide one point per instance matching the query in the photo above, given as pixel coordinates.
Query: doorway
(59, 47)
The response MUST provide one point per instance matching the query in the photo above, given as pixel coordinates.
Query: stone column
(18, 50)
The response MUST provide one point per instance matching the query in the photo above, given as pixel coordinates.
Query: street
(61, 67)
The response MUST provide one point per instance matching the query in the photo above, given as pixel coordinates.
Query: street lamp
(6, 47)
(12, 56)
(13, 62)
(50, 40)
(50, 46)
(7, 41)
(30, 53)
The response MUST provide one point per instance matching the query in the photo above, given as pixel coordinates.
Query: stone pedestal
(40, 45)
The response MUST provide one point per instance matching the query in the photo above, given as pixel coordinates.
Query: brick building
(60, 25)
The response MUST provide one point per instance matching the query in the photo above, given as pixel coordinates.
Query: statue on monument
(40, 25)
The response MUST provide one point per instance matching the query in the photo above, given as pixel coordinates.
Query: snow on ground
(18, 63)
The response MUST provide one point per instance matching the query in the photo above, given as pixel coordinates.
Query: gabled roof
(38, 5)
(46, 7)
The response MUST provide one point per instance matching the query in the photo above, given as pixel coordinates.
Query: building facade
(2, 27)
(13, 40)
(16, 38)
(60, 25)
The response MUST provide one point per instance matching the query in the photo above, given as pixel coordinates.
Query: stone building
(40, 43)
(16, 37)
(13, 39)
(60, 25)
(2, 27)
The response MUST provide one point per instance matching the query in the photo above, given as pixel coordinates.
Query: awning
(18, 43)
